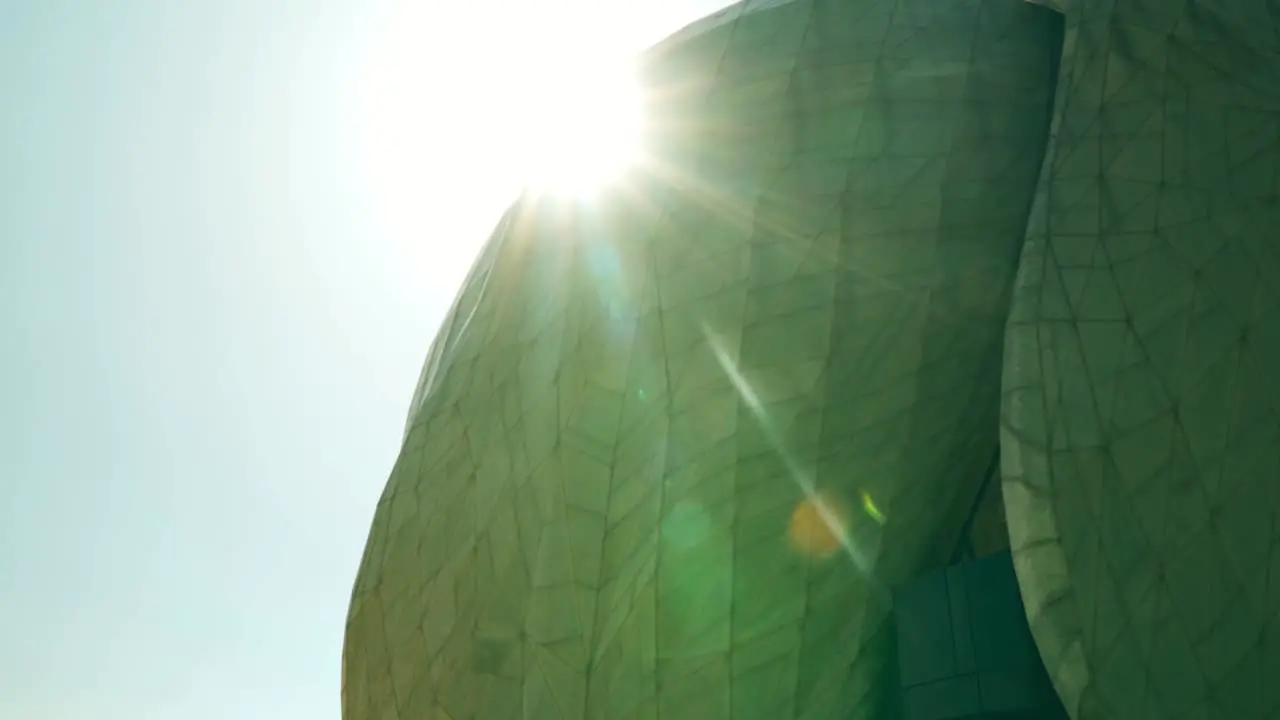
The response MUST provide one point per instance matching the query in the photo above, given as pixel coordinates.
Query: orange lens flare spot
(817, 526)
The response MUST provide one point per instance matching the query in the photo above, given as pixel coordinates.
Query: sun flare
(577, 125)
(448, 132)
(552, 111)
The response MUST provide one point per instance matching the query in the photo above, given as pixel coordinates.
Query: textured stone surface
(805, 292)
(1141, 446)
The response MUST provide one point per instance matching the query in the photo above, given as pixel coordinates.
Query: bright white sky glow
(548, 101)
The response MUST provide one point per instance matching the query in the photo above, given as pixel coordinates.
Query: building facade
(903, 280)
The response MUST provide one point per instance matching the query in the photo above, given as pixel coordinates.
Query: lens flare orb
(817, 527)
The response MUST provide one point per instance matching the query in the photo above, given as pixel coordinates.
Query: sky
(229, 230)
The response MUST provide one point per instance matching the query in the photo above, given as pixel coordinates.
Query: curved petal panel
(675, 444)
(1141, 443)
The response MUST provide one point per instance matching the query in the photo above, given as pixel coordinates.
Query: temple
(931, 369)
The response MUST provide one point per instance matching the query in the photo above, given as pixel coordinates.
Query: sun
(576, 122)
(449, 124)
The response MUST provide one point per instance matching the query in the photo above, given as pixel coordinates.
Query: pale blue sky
(220, 269)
